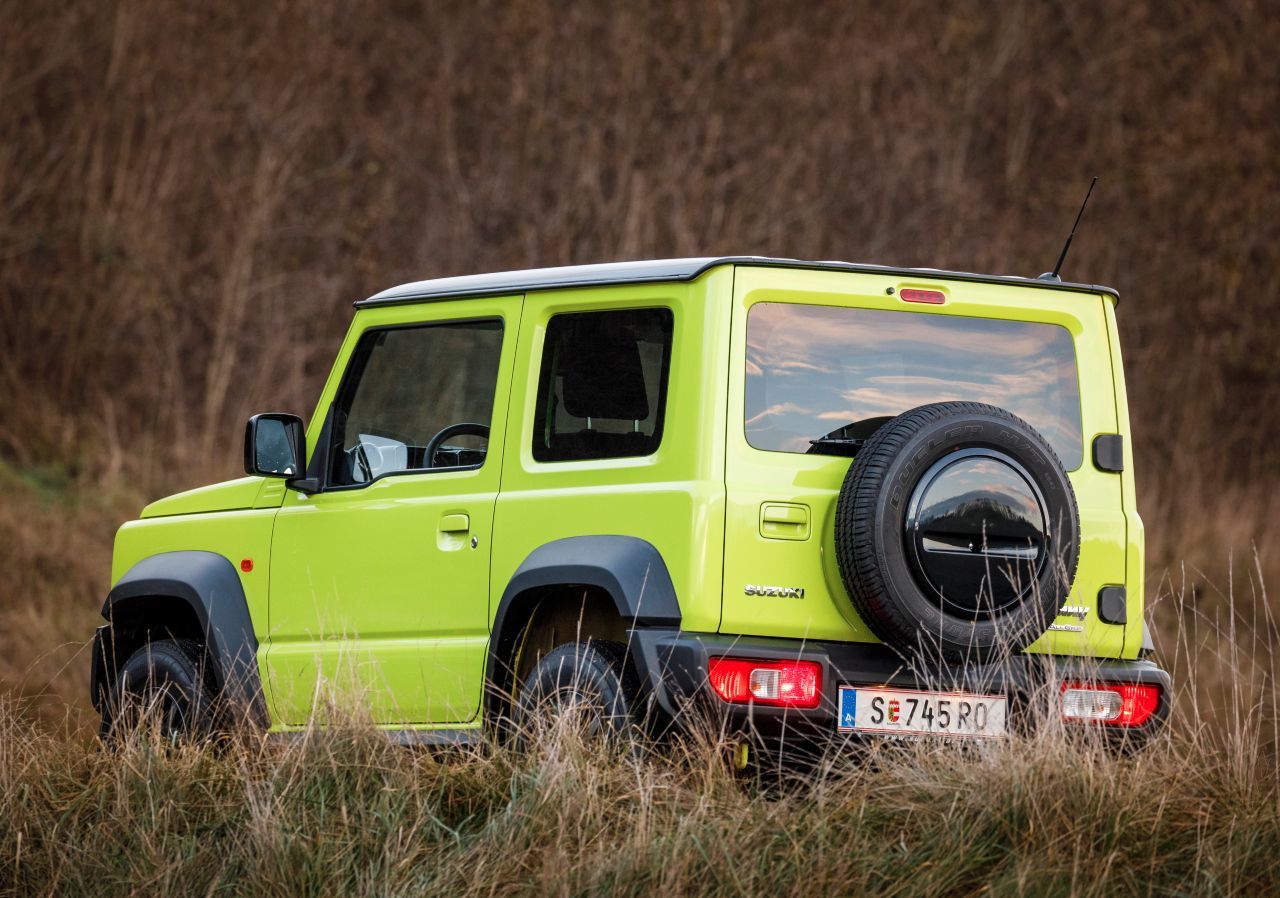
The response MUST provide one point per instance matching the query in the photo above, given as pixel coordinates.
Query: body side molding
(208, 584)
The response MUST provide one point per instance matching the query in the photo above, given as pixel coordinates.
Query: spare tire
(957, 532)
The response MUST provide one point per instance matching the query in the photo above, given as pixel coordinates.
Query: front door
(379, 582)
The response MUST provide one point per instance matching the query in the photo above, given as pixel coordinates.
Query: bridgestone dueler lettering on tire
(957, 532)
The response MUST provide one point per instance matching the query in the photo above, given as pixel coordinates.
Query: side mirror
(275, 445)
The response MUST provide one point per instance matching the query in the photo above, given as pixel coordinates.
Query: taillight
(1113, 704)
(932, 297)
(795, 684)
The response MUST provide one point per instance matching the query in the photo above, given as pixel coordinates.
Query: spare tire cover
(957, 533)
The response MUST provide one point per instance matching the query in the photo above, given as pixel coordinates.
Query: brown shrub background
(191, 195)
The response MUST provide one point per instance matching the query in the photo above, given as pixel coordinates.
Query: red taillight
(246, 564)
(1113, 704)
(932, 297)
(794, 684)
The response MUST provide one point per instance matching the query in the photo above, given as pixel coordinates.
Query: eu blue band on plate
(848, 708)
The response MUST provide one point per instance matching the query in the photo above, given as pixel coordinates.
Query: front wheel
(163, 683)
(588, 681)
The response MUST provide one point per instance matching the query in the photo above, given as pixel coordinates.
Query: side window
(416, 399)
(602, 391)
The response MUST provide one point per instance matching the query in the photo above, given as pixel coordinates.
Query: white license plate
(914, 712)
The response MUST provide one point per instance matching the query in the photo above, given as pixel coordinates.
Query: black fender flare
(629, 569)
(208, 584)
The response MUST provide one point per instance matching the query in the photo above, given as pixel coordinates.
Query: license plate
(914, 712)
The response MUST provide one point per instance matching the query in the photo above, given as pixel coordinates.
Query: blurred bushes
(190, 196)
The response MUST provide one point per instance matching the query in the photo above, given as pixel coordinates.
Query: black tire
(592, 678)
(165, 682)
(914, 589)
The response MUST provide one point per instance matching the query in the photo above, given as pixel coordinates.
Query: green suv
(845, 499)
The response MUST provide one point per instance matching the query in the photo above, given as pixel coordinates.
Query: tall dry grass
(1057, 811)
(343, 810)
(190, 197)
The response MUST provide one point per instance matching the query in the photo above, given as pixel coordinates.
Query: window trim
(354, 370)
(664, 391)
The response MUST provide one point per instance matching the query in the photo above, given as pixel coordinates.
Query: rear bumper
(673, 664)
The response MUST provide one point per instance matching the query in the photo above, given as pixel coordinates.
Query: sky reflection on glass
(813, 369)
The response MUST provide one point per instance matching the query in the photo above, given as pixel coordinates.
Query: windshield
(816, 372)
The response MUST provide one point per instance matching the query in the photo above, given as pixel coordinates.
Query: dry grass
(343, 811)
(190, 196)
(55, 559)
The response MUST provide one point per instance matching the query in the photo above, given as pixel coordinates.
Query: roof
(609, 273)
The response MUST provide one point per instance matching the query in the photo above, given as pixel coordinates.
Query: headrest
(603, 377)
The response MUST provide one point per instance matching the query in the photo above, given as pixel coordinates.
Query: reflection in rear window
(818, 371)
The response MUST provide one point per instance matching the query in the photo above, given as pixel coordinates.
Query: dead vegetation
(343, 810)
(190, 197)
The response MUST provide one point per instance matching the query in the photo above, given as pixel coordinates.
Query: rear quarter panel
(1136, 558)
(674, 499)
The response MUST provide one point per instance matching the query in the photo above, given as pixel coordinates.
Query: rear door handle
(784, 520)
(455, 523)
(785, 514)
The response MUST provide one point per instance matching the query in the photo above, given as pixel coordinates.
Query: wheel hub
(976, 532)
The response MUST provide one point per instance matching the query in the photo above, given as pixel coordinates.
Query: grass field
(342, 811)
(190, 197)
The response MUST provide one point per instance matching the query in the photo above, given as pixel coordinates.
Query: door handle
(785, 514)
(784, 520)
(455, 523)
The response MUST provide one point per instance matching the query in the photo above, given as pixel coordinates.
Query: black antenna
(1053, 275)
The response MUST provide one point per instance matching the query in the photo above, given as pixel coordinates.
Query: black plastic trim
(670, 270)
(210, 586)
(1113, 605)
(682, 662)
(297, 436)
(1108, 452)
(102, 665)
(628, 568)
(317, 471)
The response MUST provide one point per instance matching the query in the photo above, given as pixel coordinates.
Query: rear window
(816, 372)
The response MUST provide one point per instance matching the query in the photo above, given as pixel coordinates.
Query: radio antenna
(1053, 275)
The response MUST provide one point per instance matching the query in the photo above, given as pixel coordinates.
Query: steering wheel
(361, 470)
(453, 430)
